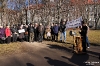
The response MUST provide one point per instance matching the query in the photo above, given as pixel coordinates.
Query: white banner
(74, 23)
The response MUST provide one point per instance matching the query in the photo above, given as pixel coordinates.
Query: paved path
(44, 54)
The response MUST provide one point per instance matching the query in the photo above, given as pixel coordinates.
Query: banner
(74, 23)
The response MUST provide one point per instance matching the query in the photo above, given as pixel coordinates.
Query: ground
(48, 53)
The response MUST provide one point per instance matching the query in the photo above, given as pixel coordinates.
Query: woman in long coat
(8, 34)
(2, 35)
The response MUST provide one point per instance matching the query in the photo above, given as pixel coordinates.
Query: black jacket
(84, 30)
(30, 29)
(62, 28)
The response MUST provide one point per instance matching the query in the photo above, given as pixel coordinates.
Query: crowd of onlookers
(37, 32)
(32, 32)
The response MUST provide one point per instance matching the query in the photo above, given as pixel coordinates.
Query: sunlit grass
(12, 48)
(93, 36)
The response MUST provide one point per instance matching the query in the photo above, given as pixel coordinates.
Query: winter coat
(21, 35)
(48, 29)
(84, 31)
(13, 30)
(2, 32)
(55, 29)
(8, 32)
(41, 28)
(52, 32)
(30, 29)
(62, 28)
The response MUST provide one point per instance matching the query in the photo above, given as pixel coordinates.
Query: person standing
(8, 34)
(14, 33)
(83, 33)
(40, 30)
(2, 35)
(35, 32)
(56, 30)
(87, 41)
(31, 32)
(63, 31)
(48, 32)
(21, 34)
(52, 32)
(26, 34)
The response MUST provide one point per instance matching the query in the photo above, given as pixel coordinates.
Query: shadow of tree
(57, 62)
(94, 44)
(60, 48)
(94, 53)
(78, 59)
(29, 64)
(63, 42)
(70, 49)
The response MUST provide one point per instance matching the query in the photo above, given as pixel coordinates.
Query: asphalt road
(44, 54)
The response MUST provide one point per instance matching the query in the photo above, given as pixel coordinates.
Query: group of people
(32, 32)
(38, 32)
(29, 33)
(52, 32)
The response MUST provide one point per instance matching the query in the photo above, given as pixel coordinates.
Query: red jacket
(8, 32)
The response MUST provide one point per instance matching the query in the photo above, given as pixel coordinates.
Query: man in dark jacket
(52, 32)
(40, 30)
(31, 33)
(14, 33)
(63, 31)
(83, 33)
(56, 30)
(35, 32)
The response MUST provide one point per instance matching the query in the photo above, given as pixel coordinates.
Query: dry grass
(12, 48)
(93, 36)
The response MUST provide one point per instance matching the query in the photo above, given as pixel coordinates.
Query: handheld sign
(21, 31)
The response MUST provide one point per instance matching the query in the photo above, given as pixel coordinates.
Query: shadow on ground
(94, 44)
(29, 64)
(55, 62)
(63, 42)
(60, 48)
(94, 53)
(78, 59)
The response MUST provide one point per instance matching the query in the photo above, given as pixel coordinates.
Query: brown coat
(48, 30)
(41, 28)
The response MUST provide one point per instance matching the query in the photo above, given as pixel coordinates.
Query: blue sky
(11, 5)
